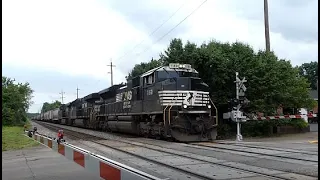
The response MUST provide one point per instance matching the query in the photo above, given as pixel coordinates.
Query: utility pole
(111, 72)
(266, 25)
(77, 92)
(62, 93)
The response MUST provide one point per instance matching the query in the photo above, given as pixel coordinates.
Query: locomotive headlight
(209, 106)
(185, 106)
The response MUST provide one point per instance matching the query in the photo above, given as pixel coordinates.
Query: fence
(286, 117)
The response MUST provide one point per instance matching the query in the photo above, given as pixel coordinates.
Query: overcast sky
(59, 45)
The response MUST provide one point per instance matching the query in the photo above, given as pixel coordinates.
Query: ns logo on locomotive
(169, 102)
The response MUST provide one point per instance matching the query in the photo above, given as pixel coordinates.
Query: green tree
(16, 100)
(174, 52)
(310, 71)
(31, 115)
(141, 68)
(271, 81)
(50, 106)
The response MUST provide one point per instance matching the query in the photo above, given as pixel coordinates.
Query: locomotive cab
(183, 100)
(179, 82)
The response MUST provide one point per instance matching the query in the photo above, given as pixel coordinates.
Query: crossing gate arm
(117, 164)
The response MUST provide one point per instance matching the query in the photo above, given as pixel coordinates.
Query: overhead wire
(198, 7)
(155, 30)
(145, 50)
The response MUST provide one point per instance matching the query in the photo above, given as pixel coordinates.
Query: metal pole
(62, 96)
(111, 71)
(111, 74)
(239, 136)
(77, 92)
(266, 25)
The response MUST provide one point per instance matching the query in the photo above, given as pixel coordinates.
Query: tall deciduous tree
(16, 99)
(310, 71)
(271, 81)
(50, 106)
(141, 68)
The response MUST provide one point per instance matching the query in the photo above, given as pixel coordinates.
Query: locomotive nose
(198, 128)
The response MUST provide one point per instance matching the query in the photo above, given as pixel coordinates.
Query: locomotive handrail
(164, 112)
(164, 115)
(216, 110)
(169, 118)
(170, 110)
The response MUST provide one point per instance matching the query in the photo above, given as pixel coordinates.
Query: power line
(173, 28)
(154, 31)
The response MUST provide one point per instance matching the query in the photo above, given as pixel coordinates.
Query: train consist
(169, 102)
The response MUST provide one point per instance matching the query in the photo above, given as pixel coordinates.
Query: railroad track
(252, 151)
(268, 148)
(247, 149)
(187, 157)
(73, 135)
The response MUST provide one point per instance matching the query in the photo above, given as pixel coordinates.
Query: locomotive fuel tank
(124, 127)
(120, 118)
(63, 121)
(78, 123)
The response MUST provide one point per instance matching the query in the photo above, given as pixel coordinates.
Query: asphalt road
(313, 127)
(41, 163)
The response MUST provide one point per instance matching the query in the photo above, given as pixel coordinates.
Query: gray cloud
(147, 16)
(288, 17)
(296, 20)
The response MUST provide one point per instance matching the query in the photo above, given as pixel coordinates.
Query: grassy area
(13, 138)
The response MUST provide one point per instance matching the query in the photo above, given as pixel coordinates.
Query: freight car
(169, 102)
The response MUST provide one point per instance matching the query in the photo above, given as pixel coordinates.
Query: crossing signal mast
(237, 103)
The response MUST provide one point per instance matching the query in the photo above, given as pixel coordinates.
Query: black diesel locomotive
(165, 102)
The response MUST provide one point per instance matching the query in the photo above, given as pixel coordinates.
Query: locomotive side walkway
(41, 163)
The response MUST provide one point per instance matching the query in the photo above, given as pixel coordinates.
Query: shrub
(257, 128)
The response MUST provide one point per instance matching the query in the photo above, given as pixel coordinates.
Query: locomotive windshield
(165, 74)
(188, 74)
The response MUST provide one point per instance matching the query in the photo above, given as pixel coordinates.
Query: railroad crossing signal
(237, 115)
(243, 101)
(241, 87)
